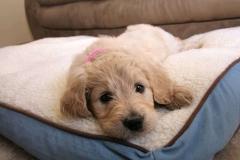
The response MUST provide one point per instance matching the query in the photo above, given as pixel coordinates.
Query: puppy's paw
(182, 96)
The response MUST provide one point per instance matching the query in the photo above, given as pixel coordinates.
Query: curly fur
(130, 59)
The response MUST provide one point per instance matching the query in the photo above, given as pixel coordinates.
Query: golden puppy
(120, 80)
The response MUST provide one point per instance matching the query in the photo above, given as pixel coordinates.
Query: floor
(10, 151)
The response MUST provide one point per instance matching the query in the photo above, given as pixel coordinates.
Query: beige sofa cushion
(183, 18)
(120, 13)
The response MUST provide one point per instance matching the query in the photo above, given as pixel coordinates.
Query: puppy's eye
(106, 97)
(139, 88)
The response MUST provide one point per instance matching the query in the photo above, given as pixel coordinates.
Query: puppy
(120, 80)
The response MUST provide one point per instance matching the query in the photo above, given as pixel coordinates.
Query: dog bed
(33, 78)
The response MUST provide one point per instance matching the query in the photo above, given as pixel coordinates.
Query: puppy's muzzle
(134, 122)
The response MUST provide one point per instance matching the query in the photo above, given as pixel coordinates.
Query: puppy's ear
(73, 102)
(165, 91)
(160, 83)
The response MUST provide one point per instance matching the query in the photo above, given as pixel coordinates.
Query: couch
(182, 18)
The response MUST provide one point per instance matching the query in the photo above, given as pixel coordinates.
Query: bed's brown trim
(74, 131)
(190, 119)
(100, 137)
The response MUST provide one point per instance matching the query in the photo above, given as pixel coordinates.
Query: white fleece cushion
(33, 79)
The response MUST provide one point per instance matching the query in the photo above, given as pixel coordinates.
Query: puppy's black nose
(134, 123)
